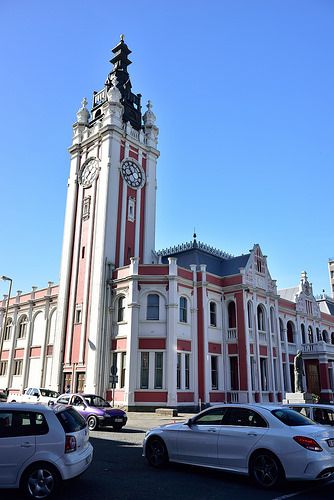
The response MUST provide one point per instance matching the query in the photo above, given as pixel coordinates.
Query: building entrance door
(312, 377)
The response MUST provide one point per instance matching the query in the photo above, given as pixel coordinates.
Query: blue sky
(243, 94)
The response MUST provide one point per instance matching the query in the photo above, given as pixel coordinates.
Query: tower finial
(122, 37)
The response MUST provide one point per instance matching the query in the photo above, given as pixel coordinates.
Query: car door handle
(212, 430)
(252, 434)
(26, 445)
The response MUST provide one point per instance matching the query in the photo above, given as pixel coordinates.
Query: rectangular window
(152, 312)
(144, 370)
(158, 371)
(178, 371)
(183, 310)
(18, 366)
(86, 208)
(252, 366)
(234, 373)
(187, 371)
(131, 209)
(214, 372)
(78, 313)
(123, 368)
(264, 375)
(3, 368)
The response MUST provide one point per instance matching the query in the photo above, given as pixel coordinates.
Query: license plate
(330, 442)
(121, 420)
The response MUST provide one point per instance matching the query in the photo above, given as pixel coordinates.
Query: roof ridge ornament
(83, 113)
(149, 117)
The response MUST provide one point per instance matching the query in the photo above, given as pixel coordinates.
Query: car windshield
(49, 394)
(96, 401)
(291, 418)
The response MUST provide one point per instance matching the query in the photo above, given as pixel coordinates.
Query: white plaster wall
(35, 367)
(38, 330)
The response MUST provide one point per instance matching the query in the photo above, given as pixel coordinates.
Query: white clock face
(89, 172)
(133, 175)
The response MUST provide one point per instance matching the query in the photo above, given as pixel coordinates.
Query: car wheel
(266, 470)
(40, 481)
(117, 427)
(92, 423)
(156, 452)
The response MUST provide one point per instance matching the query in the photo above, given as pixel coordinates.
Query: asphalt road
(119, 472)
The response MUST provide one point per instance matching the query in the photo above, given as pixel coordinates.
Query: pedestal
(298, 397)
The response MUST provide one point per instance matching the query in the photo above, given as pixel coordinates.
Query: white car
(268, 442)
(41, 445)
(34, 395)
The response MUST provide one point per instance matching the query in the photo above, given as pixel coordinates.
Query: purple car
(96, 410)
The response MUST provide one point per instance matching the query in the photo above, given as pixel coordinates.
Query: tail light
(70, 444)
(308, 443)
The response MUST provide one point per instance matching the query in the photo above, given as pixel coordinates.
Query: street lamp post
(2, 337)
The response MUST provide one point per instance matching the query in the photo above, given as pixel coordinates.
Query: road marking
(302, 491)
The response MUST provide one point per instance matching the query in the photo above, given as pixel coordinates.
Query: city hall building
(179, 327)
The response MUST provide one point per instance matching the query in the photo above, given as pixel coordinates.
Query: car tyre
(266, 470)
(92, 423)
(156, 452)
(40, 481)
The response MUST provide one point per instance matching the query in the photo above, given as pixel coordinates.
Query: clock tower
(109, 219)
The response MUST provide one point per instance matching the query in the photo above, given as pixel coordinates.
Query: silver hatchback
(40, 446)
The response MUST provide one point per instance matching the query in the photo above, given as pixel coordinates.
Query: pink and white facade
(183, 326)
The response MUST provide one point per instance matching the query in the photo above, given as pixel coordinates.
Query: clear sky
(243, 91)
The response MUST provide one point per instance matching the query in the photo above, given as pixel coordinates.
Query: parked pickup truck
(34, 395)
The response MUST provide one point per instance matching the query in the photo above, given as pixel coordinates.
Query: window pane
(187, 370)
(183, 310)
(214, 372)
(144, 370)
(211, 417)
(213, 315)
(152, 312)
(158, 370)
(178, 371)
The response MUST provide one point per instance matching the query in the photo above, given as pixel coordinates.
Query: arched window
(213, 313)
(332, 337)
(325, 337)
(8, 329)
(281, 330)
(183, 309)
(272, 320)
(302, 327)
(310, 335)
(261, 318)
(232, 318)
(120, 309)
(250, 313)
(152, 311)
(23, 322)
(290, 331)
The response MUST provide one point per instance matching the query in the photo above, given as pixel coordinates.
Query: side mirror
(189, 422)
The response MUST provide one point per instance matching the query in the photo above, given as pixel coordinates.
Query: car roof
(27, 406)
(252, 406)
(309, 405)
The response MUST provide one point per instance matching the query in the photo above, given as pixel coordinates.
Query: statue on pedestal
(299, 372)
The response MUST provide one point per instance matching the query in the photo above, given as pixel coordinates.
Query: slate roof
(289, 293)
(326, 306)
(216, 261)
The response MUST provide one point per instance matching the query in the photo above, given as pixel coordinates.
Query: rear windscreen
(291, 418)
(70, 420)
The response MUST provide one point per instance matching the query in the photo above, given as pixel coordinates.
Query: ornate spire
(149, 117)
(83, 113)
(130, 101)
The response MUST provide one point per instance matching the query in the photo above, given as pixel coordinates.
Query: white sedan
(267, 442)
